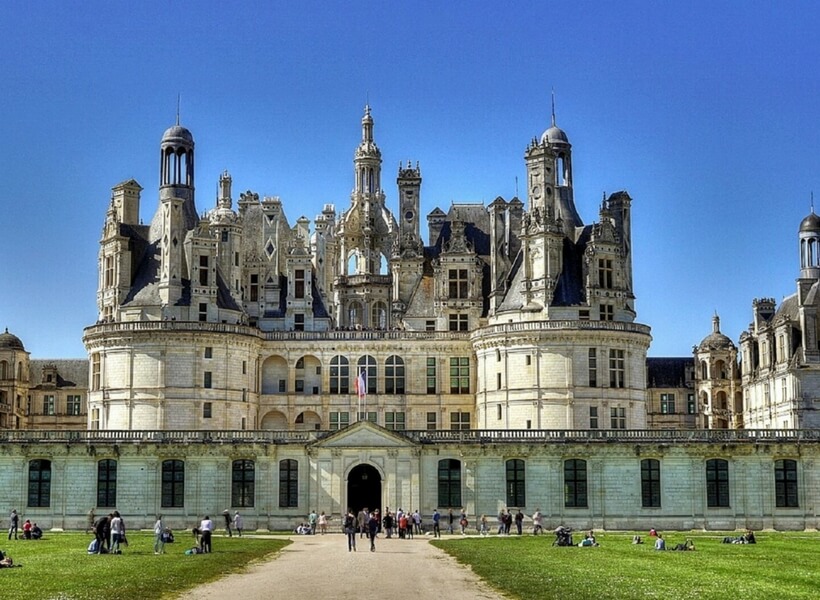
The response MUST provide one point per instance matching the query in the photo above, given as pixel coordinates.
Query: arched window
(352, 263)
(449, 483)
(173, 484)
(575, 483)
(107, 483)
(368, 364)
(243, 483)
(339, 375)
(4, 369)
(394, 375)
(704, 370)
(288, 483)
(650, 483)
(785, 483)
(354, 314)
(378, 317)
(516, 485)
(717, 483)
(39, 483)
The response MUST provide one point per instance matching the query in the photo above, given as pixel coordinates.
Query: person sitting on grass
(36, 532)
(687, 545)
(27, 530)
(660, 543)
(6, 561)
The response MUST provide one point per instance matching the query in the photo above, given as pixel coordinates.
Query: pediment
(365, 434)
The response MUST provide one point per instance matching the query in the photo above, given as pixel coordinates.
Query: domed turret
(9, 341)
(178, 135)
(809, 235)
(715, 340)
(554, 135)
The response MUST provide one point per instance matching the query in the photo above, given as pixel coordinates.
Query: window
(691, 407)
(650, 483)
(206, 379)
(498, 414)
(299, 283)
(459, 322)
(368, 364)
(339, 375)
(339, 420)
(516, 488)
(593, 417)
(48, 404)
(607, 312)
(109, 271)
(394, 375)
(429, 325)
(458, 284)
(288, 483)
(616, 368)
(95, 419)
(224, 235)
(254, 288)
(575, 483)
(431, 375)
(299, 322)
(173, 484)
(394, 421)
(73, 405)
(717, 483)
(605, 273)
(203, 312)
(209, 352)
(244, 367)
(39, 483)
(583, 314)
(785, 483)
(378, 316)
(460, 375)
(593, 367)
(107, 483)
(368, 416)
(617, 417)
(203, 270)
(449, 483)
(243, 483)
(667, 404)
(498, 381)
(206, 410)
(459, 420)
(432, 422)
(95, 371)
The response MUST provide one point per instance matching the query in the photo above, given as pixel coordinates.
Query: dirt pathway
(321, 567)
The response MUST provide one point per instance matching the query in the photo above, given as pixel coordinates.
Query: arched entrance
(364, 488)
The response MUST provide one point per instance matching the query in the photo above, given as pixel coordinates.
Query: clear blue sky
(706, 112)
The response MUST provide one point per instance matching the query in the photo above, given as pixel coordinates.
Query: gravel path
(320, 567)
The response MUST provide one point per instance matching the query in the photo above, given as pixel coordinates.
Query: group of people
(660, 543)
(109, 534)
(364, 523)
(235, 521)
(30, 530)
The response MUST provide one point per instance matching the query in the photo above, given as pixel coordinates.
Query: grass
(58, 567)
(782, 566)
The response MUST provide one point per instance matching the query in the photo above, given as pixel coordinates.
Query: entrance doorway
(364, 488)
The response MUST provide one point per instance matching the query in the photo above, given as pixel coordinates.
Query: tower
(407, 259)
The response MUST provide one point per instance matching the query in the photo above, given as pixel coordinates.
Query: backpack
(349, 522)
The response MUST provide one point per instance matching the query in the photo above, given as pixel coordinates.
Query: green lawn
(779, 566)
(59, 568)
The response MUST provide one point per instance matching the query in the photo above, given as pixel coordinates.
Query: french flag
(361, 385)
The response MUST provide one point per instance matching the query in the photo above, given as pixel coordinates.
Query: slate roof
(669, 372)
(70, 372)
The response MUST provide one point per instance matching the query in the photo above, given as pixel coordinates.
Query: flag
(361, 384)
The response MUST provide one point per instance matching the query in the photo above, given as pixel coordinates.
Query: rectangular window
(431, 375)
(243, 483)
(516, 483)
(73, 405)
(254, 295)
(203, 312)
(299, 283)
(224, 235)
(299, 322)
(593, 417)
(300, 385)
(691, 407)
(498, 381)
(583, 314)
(430, 326)
(717, 483)
(339, 420)
(607, 312)
(368, 416)
(785, 483)
(107, 483)
(432, 422)
(283, 386)
(593, 367)
(575, 483)
(458, 288)
(48, 405)
(236, 259)
(616, 368)
(459, 322)
(528, 360)
(459, 375)
(617, 416)
(244, 367)
(650, 483)
(95, 419)
(209, 352)
(449, 483)
(605, 273)
(203, 270)
(39, 483)
(394, 421)
(95, 371)
(459, 420)
(109, 271)
(498, 412)
(173, 484)
(288, 483)
(667, 404)
(206, 379)
(206, 410)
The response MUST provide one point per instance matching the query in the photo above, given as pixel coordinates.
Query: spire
(367, 125)
(179, 98)
(553, 107)
(716, 323)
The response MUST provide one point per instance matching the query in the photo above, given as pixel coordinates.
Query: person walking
(159, 543)
(237, 523)
(227, 514)
(350, 530)
(537, 526)
(117, 533)
(206, 529)
(484, 528)
(436, 521)
(519, 521)
(373, 527)
(14, 523)
(90, 519)
(450, 517)
(323, 523)
(313, 518)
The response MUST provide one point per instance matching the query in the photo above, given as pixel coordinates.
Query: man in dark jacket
(102, 531)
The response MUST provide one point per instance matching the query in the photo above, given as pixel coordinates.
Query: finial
(812, 202)
(553, 107)
(516, 186)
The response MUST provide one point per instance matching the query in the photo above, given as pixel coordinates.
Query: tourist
(660, 543)
(313, 518)
(408, 531)
(117, 533)
(462, 521)
(373, 529)
(206, 529)
(36, 532)
(519, 521)
(361, 521)
(436, 519)
(402, 526)
(159, 542)
(508, 520)
(350, 530)
(102, 531)
(501, 520)
(417, 521)
(90, 520)
(485, 529)
(14, 522)
(537, 525)
(238, 523)
(27, 530)
(227, 515)
(450, 518)
(323, 523)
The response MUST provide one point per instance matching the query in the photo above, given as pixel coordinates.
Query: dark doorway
(364, 488)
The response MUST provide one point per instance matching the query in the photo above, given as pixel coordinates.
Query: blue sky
(706, 112)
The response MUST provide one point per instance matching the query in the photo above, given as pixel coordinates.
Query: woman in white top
(206, 527)
(159, 544)
(237, 523)
(117, 531)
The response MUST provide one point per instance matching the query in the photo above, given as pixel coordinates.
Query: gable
(364, 434)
